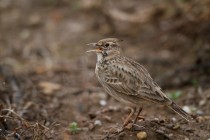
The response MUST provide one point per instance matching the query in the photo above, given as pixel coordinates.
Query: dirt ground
(48, 89)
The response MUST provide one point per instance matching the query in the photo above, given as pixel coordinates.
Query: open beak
(92, 44)
(97, 50)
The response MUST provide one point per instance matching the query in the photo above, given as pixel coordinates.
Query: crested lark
(128, 81)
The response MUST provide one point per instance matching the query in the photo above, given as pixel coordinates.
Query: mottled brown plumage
(126, 80)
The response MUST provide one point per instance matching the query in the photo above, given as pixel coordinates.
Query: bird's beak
(92, 44)
(97, 50)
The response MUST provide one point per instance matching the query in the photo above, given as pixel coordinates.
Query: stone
(142, 135)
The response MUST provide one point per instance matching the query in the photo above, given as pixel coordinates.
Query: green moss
(174, 95)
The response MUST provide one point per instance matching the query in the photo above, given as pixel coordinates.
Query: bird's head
(106, 48)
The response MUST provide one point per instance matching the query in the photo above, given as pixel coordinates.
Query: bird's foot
(141, 118)
(133, 127)
(113, 132)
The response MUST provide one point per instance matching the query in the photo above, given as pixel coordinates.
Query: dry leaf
(49, 87)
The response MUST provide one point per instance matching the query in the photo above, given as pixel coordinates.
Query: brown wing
(130, 78)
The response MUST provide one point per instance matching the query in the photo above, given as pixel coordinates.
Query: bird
(128, 81)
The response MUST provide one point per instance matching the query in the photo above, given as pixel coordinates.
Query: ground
(47, 82)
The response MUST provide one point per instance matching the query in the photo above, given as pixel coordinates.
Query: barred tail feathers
(180, 111)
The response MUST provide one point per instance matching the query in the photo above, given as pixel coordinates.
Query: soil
(48, 89)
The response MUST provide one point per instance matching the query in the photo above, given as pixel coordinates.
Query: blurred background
(48, 89)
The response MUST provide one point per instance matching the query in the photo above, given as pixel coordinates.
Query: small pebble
(173, 119)
(156, 119)
(142, 135)
(177, 126)
(102, 102)
(187, 109)
(171, 135)
(97, 122)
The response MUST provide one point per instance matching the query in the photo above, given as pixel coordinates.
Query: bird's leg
(108, 136)
(134, 125)
(117, 132)
(112, 134)
(129, 116)
(139, 111)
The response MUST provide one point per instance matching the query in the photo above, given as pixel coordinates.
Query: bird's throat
(102, 57)
(99, 57)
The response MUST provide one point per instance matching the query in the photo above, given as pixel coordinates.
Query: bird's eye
(107, 45)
